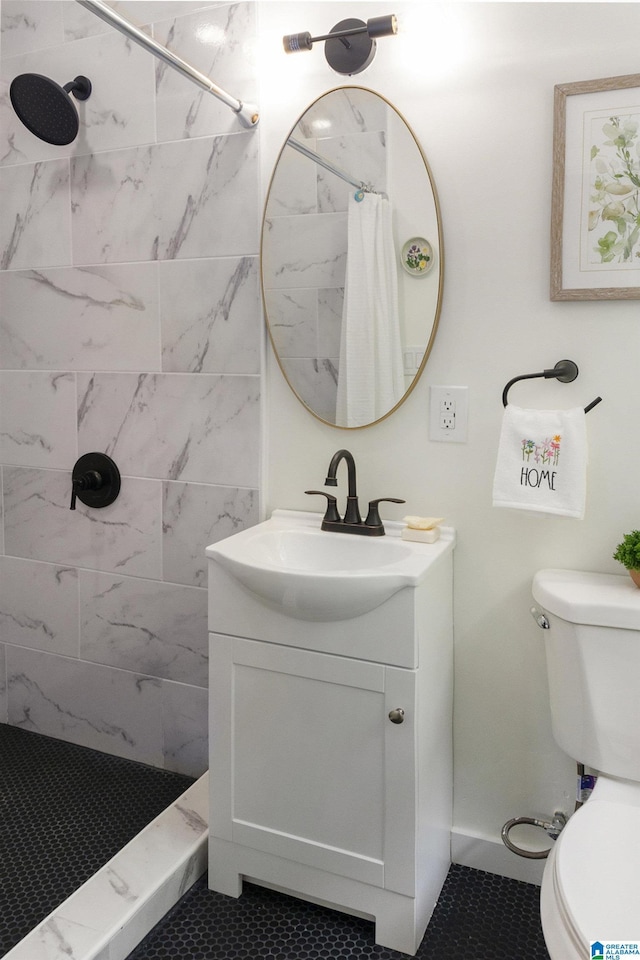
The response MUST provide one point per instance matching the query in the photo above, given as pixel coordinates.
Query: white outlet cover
(460, 398)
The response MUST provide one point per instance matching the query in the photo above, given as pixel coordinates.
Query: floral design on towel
(546, 452)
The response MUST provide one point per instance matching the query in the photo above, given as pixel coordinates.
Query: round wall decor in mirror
(350, 197)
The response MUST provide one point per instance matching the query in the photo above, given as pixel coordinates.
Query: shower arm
(247, 112)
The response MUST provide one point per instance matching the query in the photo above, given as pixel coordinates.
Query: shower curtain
(370, 377)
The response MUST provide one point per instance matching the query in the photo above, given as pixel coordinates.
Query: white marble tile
(79, 23)
(363, 156)
(3, 685)
(1, 513)
(162, 893)
(159, 629)
(91, 313)
(330, 304)
(185, 726)
(118, 113)
(193, 198)
(29, 26)
(35, 223)
(10, 151)
(220, 43)
(38, 419)
(110, 913)
(195, 515)
(124, 537)
(301, 186)
(348, 111)
(317, 382)
(39, 605)
(203, 428)
(293, 321)
(117, 890)
(294, 184)
(100, 707)
(217, 327)
(309, 251)
(57, 938)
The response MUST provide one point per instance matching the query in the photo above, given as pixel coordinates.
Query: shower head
(45, 108)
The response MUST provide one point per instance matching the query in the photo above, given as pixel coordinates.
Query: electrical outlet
(447, 418)
(448, 409)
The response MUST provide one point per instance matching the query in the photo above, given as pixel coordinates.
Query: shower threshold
(107, 916)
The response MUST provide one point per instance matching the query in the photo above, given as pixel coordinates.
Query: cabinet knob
(397, 715)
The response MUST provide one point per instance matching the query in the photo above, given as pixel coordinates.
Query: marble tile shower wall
(130, 324)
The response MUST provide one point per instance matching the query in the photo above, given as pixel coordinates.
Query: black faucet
(352, 521)
(352, 514)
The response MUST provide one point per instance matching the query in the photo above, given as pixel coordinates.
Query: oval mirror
(351, 258)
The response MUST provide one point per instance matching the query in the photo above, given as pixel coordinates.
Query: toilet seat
(591, 884)
(562, 940)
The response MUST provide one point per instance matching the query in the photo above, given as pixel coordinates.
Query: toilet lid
(597, 871)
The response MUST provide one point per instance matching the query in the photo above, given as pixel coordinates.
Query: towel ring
(565, 371)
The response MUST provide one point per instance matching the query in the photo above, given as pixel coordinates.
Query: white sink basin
(311, 574)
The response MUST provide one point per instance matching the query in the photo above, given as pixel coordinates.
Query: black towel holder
(565, 371)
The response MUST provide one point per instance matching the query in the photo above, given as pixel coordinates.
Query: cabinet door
(305, 763)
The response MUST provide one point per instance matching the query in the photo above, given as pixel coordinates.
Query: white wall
(475, 80)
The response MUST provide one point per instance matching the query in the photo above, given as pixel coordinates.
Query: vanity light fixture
(350, 46)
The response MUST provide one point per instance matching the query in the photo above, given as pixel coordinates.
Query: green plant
(628, 552)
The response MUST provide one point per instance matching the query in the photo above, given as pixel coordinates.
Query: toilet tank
(592, 650)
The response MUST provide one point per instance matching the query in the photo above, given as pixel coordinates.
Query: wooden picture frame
(595, 203)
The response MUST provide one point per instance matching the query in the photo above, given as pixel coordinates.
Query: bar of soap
(422, 536)
(422, 523)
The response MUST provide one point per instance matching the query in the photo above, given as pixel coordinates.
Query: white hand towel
(542, 461)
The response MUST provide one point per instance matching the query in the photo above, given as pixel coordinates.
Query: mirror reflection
(351, 259)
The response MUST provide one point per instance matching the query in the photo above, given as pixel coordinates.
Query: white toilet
(591, 883)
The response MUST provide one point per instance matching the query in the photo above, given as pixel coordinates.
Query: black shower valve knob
(95, 480)
(91, 480)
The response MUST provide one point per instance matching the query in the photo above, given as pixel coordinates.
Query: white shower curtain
(370, 377)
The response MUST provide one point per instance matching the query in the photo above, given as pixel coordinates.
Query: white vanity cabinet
(331, 773)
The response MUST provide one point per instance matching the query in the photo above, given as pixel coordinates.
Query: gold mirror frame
(268, 217)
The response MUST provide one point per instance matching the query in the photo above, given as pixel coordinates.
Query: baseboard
(117, 907)
(487, 853)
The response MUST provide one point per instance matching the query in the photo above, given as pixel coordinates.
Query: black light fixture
(350, 46)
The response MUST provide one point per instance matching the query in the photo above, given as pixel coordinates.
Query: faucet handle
(373, 517)
(332, 506)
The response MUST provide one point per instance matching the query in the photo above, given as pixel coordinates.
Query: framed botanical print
(595, 211)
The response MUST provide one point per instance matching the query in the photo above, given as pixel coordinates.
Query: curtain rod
(247, 112)
(307, 152)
